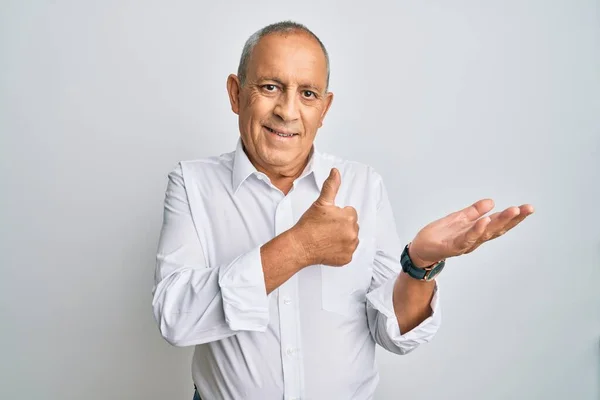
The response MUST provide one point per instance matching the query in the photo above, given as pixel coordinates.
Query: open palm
(463, 231)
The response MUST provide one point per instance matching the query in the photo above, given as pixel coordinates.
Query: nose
(287, 107)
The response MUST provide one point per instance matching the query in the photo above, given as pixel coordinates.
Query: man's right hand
(328, 234)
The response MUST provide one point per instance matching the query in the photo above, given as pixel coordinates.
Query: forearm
(412, 299)
(282, 257)
(199, 305)
(188, 307)
(196, 304)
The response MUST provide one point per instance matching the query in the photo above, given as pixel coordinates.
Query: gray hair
(279, 27)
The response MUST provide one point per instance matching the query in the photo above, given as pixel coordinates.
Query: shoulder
(352, 170)
(359, 180)
(203, 169)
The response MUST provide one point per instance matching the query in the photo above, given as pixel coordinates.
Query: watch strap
(422, 274)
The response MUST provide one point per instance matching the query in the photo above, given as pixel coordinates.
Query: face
(282, 103)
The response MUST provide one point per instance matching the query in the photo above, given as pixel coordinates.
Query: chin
(279, 158)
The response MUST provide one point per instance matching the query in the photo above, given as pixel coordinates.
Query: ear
(328, 99)
(233, 89)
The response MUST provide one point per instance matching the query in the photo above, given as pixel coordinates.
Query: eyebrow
(310, 86)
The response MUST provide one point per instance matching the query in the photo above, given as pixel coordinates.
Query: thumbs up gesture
(327, 233)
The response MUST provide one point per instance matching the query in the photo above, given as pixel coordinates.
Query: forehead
(291, 57)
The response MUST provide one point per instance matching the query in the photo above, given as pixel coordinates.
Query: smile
(280, 134)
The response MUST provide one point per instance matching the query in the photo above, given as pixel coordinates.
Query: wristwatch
(423, 274)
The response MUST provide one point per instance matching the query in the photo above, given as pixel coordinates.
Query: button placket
(288, 314)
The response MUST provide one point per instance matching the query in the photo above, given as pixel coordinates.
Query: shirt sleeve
(196, 303)
(381, 317)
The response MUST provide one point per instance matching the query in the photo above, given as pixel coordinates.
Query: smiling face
(282, 103)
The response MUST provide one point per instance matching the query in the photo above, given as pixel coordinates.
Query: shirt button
(290, 351)
(287, 301)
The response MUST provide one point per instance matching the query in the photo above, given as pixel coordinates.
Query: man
(282, 264)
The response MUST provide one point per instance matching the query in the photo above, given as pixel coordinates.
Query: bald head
(280, 28)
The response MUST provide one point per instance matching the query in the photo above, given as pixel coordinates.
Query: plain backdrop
(451, 101)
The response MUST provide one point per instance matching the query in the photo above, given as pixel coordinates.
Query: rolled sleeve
(382, 320)
(245, 300)
(194, 302)
(384, 324)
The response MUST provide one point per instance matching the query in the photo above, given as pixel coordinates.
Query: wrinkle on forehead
(292, 59)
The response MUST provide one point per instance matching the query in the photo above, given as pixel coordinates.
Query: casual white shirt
(313, 337)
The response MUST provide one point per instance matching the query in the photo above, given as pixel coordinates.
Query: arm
(282, 257)
(402, 312)
(458, 233)
(412, 300)
(195, 303)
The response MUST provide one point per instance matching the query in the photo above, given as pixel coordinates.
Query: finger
(330, 188)
(473, 235)
(356, 245)
(351, 211)
(351, 215)
(516, 221)
(478, 209)
(517, 217)
(527, 209)
(500, 220)
(524, 211)
(498, 226)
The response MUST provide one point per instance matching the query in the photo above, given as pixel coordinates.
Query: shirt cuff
(245, 300)
(381, 300)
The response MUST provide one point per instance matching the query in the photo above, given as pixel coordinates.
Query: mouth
(280, 133)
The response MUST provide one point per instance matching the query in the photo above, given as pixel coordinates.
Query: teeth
(280, 134)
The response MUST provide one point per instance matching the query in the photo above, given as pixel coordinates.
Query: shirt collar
(242, 167)
(318, 165)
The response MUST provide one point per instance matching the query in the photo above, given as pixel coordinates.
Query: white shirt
(314, 336)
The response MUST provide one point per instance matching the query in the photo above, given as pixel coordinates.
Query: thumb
(330, 188)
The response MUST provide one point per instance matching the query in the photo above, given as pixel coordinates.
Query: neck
(282, 178)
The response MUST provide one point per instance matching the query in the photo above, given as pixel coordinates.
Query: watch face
(436, 270)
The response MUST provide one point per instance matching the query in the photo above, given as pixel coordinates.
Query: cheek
(312, 117)
(251, 99)
(257, 107)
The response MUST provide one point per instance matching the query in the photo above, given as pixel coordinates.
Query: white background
(451, 101)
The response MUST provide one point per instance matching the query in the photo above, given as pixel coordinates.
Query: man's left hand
(463, 231)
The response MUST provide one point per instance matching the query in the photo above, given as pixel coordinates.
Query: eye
(308, 94)
(269, 87)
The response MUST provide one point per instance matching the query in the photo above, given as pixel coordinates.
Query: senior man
(282, 264)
